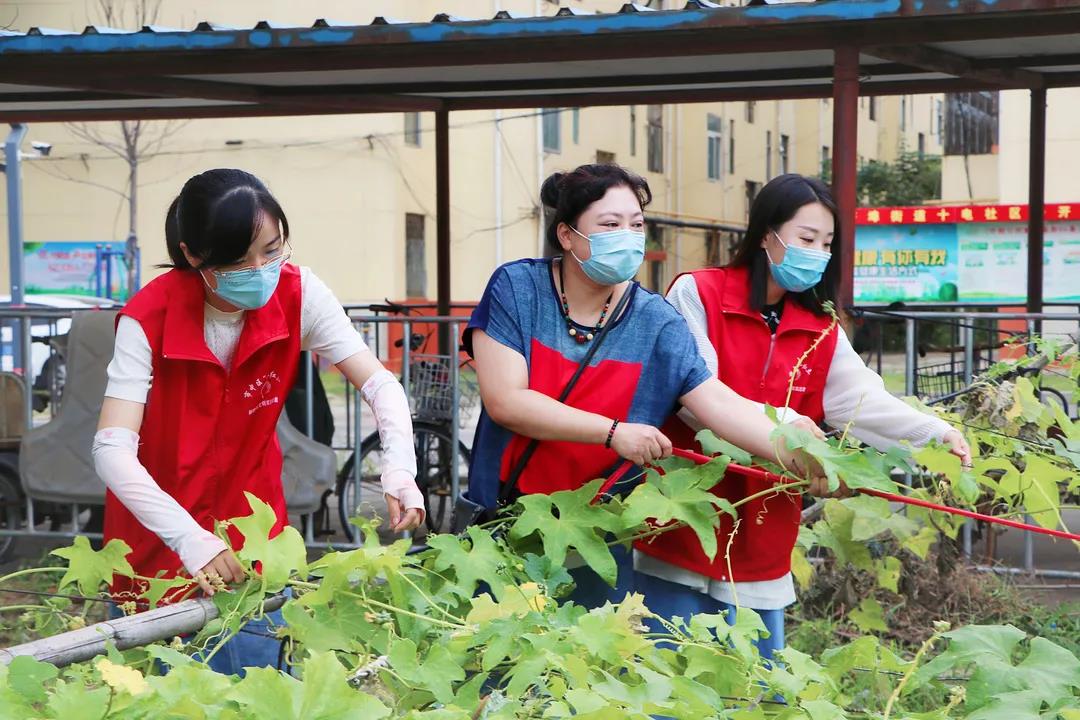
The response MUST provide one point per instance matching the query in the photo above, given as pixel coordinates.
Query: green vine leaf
(475, 560)
(279, 556)
(437, 673)
(568, 519)
(89, 569)
(869, 617)
(856, 470)
(713, 445)
(682, 496)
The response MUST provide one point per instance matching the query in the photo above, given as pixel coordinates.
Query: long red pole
(773, 478)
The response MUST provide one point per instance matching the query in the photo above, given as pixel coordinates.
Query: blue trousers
(668, 600)
(592, 592)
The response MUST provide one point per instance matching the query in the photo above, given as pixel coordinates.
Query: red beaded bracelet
(611, 434)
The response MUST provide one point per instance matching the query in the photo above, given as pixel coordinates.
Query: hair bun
(551, 189)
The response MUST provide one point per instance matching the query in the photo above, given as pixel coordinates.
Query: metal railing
(971, 362)
(441, 390)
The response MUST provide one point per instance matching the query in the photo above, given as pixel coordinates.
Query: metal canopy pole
(442, 221)
(1036, 198)
(844, 162)
(15, 237)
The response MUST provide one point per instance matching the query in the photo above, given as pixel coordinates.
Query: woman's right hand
(224, 567)
(640, 444)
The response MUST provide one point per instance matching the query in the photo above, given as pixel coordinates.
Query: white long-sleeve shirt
(853, 394)
(325, 330)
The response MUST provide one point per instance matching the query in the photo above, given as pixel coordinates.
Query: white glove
(116, 460)
(390, 406)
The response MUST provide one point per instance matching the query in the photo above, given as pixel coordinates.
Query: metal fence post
(455, 416)
(909, 356)
(309, 392)
(969, 349)
(358, 439)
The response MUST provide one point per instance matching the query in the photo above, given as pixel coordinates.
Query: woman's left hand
(402, 519)
(958, 446)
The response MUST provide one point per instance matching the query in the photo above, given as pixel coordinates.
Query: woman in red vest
(753, 320)
(204, 357)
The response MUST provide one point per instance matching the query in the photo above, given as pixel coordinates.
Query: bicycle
(431, 391)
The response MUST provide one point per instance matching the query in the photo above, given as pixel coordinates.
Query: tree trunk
(131, 257)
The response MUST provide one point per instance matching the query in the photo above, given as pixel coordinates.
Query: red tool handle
(771, 477)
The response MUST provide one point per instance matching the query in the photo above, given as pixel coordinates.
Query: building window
(575, 124)
(971, 123)
(654, 278)
(768, 154)
(784, 147)
(714, 132)
(412, 129)
(826, 164)
(552, 120)
(655, 138)
(873, 107)
(750, 111)
(938, 120)
(903, 112)
(633, 131)
(752, 190)
(415, 256)
(922, 145)
(731, 147)
(603, 157)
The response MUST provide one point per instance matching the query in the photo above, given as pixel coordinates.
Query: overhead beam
(300, 99)
(708, 95)
(730, 31)
(359, 103)
(930, 58)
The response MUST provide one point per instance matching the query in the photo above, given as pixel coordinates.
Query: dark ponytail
(570, 194)
(217, 215)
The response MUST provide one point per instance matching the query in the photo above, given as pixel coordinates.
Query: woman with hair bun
(219, 335)
(532, 329)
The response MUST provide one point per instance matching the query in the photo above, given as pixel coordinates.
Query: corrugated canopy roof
(700, 53)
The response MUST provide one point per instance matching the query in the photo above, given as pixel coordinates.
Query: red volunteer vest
(757, 365)
(208, 435)
(606, 388)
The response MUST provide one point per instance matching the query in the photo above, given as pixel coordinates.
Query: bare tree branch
(130, 140)
(61, 175)
(11, 23)
(93, 135)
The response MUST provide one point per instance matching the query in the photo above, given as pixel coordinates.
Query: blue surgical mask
(801, 268)
(615, 255)
(251, 288)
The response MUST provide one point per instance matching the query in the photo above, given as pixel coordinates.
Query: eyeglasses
(278, 258)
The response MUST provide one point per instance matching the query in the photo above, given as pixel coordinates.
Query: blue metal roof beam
(788, 16)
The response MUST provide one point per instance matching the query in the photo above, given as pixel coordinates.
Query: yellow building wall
(347, 182)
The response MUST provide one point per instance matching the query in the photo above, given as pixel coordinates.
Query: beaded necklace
(585, 337)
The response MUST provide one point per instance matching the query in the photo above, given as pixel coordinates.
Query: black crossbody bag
(467, 512)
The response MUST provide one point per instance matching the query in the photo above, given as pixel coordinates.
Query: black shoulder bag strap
(509, 488)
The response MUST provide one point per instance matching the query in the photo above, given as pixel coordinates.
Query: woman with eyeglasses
(204, 357)
(753, 321)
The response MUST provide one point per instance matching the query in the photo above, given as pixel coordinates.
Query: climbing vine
(480, 626)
